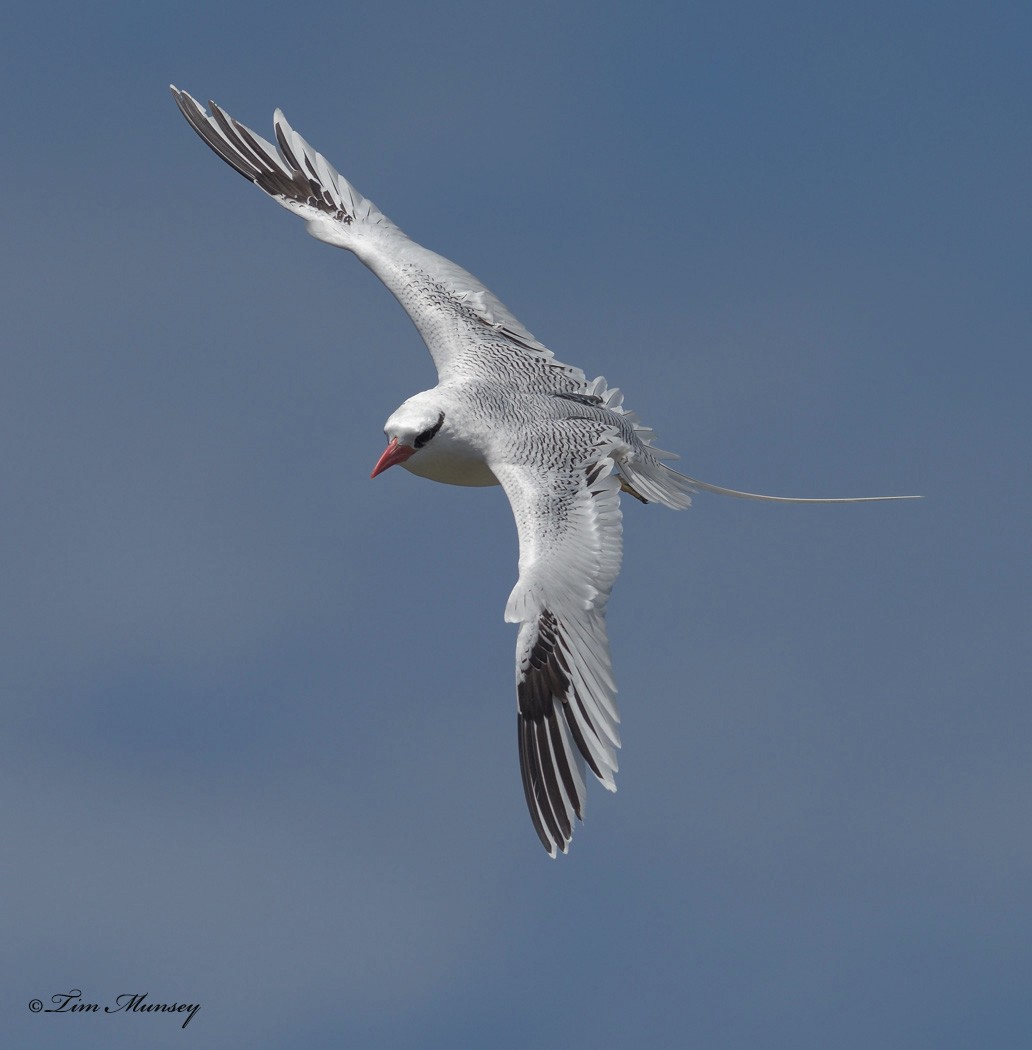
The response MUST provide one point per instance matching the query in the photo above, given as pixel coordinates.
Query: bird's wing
(467, 329)
(568, 519)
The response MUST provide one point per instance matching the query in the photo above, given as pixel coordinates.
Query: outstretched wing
(568, 519)
(466, 328)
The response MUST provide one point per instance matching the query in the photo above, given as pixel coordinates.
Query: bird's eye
(427, 434)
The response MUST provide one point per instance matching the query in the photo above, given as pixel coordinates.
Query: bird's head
(410, 428)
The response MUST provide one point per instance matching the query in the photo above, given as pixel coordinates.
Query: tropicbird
(504, 412)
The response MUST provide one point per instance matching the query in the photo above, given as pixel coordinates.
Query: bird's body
(506, 412)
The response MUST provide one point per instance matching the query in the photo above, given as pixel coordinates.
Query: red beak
(392, 454)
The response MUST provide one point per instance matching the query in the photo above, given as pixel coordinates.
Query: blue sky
(257, 745)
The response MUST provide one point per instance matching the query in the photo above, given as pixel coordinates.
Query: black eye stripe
(429, 432)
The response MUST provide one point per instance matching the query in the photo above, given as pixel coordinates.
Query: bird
(505, 411)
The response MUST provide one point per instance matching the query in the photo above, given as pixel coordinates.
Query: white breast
(451, 462)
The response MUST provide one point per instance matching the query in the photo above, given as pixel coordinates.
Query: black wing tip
(185, 101)
(541, 789)
(289, 178)
(554, 792)
(552, 721)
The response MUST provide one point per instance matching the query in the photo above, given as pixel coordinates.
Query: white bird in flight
(504, 412)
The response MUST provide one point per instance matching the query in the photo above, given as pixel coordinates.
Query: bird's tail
(720, 491)
(658, 483)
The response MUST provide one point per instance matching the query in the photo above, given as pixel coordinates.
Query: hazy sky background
(258, 738)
